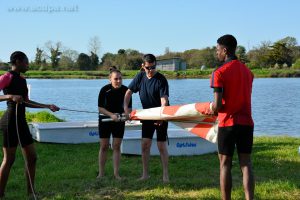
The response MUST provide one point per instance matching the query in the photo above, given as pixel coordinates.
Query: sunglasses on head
(150, 68)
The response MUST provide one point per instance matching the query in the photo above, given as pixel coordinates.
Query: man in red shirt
(232, 83)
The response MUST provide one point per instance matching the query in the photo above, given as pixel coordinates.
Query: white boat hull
(181, 142)
(70, 132)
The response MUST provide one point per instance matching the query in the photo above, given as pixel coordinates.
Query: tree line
(284, 53)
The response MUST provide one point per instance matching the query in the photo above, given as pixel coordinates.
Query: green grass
(276, 73)
(69, 171)
(190, 73)
(41, 116)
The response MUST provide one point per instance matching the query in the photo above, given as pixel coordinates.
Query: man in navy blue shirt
(153, 89)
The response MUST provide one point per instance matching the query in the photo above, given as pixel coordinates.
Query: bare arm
(127, 98)
(217, 104)
(33, 104)
(164, 100)
(107, 113)
(10, 97)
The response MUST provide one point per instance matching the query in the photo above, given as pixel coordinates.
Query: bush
(285, 66)
(296, 65)
(277, 66)
(42, 116)
(42, 68)
(252, 65)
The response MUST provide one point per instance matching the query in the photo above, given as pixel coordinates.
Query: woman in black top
(110, 103)
(15, 92)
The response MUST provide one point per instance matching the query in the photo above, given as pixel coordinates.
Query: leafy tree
(121, 51)
(193, 58)
(170, 55)
(68, 60)
(83, 62)
(132, 52)
(123, 59)
(241, 53)
(196, 58)
(292, 45)
(259, 57)
(66, 63)
(188, 54)
(208, 57)
(4, 66)
(280, 54)
(94, 45)
(289, 41)
(296, 65)
(94, 60)
(55, 52)
(108, 60)
(38, 57)
(134, 62)
(133, 59)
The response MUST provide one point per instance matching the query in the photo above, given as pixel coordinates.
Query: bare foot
(144, 178)
(32, 196)
(166, 180)
(118, 177)
(99, 176)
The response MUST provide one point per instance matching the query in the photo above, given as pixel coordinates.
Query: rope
(19, 139)
(26, 163)
(84, 111)
(66, 109)
(121, 117)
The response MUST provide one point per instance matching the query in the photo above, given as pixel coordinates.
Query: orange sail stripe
(202, 107)
(171, 110)
(201, 129)
(191, 117)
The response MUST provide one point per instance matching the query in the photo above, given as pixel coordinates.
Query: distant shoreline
(193, 73)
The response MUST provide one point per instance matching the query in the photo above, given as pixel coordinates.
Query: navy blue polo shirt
(150, 90)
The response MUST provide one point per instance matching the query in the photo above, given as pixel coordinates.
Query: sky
(146, 26)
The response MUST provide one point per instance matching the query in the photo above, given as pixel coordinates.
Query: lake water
(275, 102)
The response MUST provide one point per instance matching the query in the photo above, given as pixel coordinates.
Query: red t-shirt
(235, 80)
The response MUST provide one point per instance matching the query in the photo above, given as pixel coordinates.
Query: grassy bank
(131, 73)
(276, 73)
(69, 171)
(42, 116)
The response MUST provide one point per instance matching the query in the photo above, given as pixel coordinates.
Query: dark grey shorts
(148, 128)
(239, 136)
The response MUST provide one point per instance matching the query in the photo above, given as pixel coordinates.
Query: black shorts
(114, 128)
(9, 130)
(239, 136)
(148, 128)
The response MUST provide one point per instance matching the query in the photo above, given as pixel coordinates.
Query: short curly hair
(229, 42)
(17, 55)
